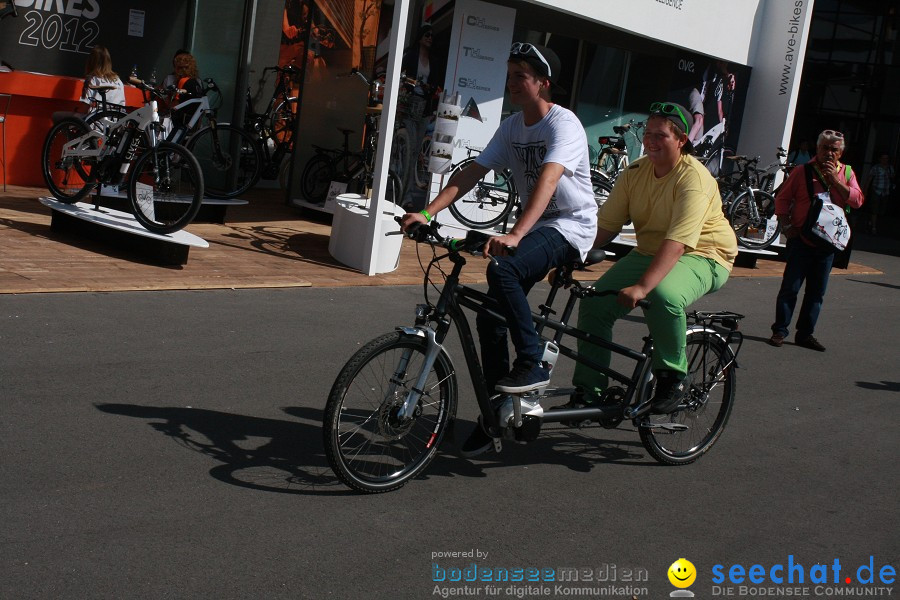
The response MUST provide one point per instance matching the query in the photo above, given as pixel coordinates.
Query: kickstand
(97, 197)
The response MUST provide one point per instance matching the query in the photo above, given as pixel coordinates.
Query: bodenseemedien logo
(682, 575)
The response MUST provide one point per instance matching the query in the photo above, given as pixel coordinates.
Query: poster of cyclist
(714, 92)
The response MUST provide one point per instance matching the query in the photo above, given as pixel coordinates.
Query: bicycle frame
(144, 119)
(454, 297)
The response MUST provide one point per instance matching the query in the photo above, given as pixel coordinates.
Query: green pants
(690, 278)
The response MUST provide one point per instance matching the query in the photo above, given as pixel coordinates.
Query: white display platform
(349, 229)
(121, 221)
(111, 191)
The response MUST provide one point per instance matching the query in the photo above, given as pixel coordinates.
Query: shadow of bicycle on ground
(287, 456)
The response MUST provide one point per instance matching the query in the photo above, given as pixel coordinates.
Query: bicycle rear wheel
(68, 179)
(401, 159)
(231, 160)
(488, 203)
(316, 178)
(681, 437)
(755, 226)
(368, 447)
(165, 188)
(602, 186)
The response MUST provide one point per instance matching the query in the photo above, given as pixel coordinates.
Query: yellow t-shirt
(684, 206)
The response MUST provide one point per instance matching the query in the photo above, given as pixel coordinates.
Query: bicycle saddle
(102, 88)
(594, 256)
(621, 130)
(374, 110)
(345, 131)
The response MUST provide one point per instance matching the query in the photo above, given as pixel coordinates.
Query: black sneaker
(478, 442)
(524, 378)
(671, 389)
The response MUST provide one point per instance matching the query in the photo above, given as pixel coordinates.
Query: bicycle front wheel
(681, 437)
(68, 178)
(752, 216)
(166, 188)
(488, 203)
(316, 178)
(231, 160)
(369, 447)
(281, 123)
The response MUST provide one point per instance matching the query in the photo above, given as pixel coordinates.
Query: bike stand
(121, 231)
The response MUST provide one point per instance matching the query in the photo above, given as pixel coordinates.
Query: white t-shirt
(558, 138)
(116, 96)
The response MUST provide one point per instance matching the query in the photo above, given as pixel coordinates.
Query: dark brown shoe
(809, 342)
(776, 340)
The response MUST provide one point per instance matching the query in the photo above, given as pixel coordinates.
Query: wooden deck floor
(263, 244)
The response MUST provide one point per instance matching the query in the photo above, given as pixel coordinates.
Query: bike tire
(488, 203)
(746, 226)
(316, 179)
(395, 189)
(602, 187)
(281, 123)
(422, 160)
(401, 156)
(705, 412)
(366, 446)
(230, 159)
(69, 179)
(165, 188)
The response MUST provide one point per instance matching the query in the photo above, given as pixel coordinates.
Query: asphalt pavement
(168, 445)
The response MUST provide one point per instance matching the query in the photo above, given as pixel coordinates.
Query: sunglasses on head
(525, 49)
(833, 133)
(667, 108)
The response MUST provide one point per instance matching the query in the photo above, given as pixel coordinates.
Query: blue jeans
(813, 265)
(509, 281)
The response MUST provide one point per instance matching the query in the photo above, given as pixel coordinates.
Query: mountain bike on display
(490, 202)
(393, 402)
(357, 169)
(229, 158)
(494, 199)
(274, 127)
(750, 210)
(164, 180)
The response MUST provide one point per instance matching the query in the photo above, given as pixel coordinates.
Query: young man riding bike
(545, 148)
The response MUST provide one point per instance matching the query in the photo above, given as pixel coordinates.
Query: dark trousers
(803, 263)
(509, 281)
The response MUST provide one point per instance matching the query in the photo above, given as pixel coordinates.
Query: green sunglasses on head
(667, 108)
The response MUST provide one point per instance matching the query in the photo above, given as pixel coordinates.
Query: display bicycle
(357, 169)
(494, 198)
(230, 159)
(392, 403)
(164, 181)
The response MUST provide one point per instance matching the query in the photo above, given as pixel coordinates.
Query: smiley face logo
(682, 573)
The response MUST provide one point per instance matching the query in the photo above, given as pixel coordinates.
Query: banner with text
(55, 37)
(476, 70)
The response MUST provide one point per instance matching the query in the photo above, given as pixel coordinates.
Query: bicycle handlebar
(473, 243)
(285, 69)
